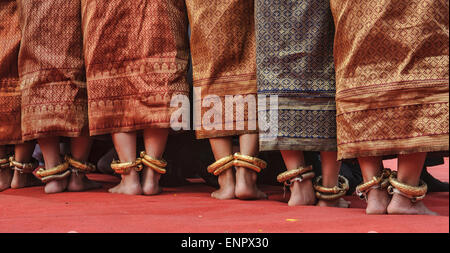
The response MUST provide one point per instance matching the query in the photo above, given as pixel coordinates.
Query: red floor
(190, 209)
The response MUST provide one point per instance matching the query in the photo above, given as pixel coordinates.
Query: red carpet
(190, 209)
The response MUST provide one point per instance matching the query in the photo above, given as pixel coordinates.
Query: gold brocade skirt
(392, 76)
(10, 131)
(223, 59)
(136, 55)
(51, 69)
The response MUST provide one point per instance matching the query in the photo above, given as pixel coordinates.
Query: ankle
(77, 175)
(227, 177)
(133, 176)
(299, 186)
(246, 174)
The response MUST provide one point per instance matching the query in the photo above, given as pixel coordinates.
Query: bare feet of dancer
(80, 148)
(241, 184)
(79, 182)
(130, 185)
(22, 180)
(302, 193)
(330, 174)
(155, 140)
(246, 187)
(150, 182)
(227, 186)
(377, 199)
(50, 150)
(409, 170)
(56, 186)
(402, 205)
(222, 147)
(23, 154)
(125, 144)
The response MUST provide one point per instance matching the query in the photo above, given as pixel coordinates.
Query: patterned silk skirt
(51, 69)
(392, 59)
(295, 63)
(10, 130)
(136, 55)
(223, 60)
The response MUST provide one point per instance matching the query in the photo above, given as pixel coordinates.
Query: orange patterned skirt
(223, 48)
(10, 131)
(392, 60)
(51, 69)
(136, 55)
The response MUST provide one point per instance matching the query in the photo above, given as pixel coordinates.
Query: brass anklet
(78, 166)
(251, 166)
(236, 160)
(23, 167)
(219, 163)
(333, 193)
(223, 168)
(252, 160)
(157, 165)
(126, 167)
(415, 193)
(290, 174)
(57, 173)
(4, 163)
(381, 182)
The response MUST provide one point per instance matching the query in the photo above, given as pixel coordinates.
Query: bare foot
(79, 182)
(224, 193)
(56, 186)
(150, 182)
(403, 205)
(246, 187)
(341, 202)
(227, 185)
(377, 201)
(22, 180)
(129, 185)
(5, 178)
(302, 194)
